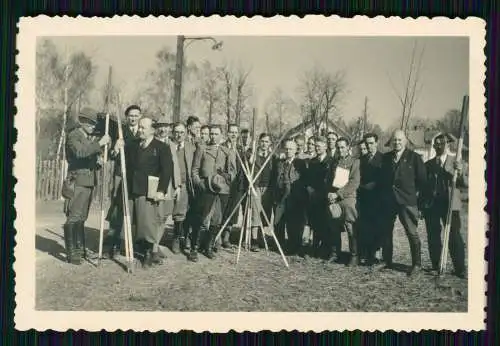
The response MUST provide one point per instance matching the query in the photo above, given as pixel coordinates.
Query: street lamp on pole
(179, 64)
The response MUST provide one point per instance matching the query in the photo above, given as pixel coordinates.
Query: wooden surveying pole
(104, 168)
(458, 158)
(127, 224)
(251, 181)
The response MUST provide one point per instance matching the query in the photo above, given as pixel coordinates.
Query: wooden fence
(49, 181)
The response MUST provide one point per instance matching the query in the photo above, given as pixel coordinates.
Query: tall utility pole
(179, 64)
(365, 116)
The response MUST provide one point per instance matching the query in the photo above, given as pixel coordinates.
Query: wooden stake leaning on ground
(127, 224)
(458, 158)
(251, 181)
(105, 161)
(253, 193)
(103, 190)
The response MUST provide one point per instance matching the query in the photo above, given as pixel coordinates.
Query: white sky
(280, 61)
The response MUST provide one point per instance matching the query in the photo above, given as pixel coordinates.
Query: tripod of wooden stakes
(252, 200)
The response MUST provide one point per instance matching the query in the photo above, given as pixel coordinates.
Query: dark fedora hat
(217, 183)
(88, 114)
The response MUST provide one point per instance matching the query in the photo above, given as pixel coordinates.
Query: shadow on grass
(50, 247)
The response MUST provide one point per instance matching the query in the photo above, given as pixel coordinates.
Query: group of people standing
(187, 171)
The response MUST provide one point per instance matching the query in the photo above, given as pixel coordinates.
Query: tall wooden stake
(104, 168)
(458, 158)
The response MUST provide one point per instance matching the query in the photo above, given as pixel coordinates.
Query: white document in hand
(152, 186)
(341, 177)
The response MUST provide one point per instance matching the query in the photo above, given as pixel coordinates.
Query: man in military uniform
(115, 211)
(436, 201)
(343, 192)
(82, 154)
(214, 169)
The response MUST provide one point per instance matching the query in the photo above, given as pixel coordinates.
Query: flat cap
(89, 114)
(162, 121)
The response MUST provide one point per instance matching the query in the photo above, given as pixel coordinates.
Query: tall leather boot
(82, 242)
(176, 242)
(416, 256)
(68, 241)
(195, 244)
(225, 238)
(353, 244)
(209, 246)
(76, 255)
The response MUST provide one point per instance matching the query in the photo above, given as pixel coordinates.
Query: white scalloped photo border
(26, 317)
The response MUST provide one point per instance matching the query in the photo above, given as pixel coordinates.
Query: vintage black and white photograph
(200, 171)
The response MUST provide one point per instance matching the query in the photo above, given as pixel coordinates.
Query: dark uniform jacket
(81, 154)
(438, 184)
(154, 160)
(402, 181)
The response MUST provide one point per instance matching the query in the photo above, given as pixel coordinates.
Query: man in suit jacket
(183, 152)
(345, 194)
(436, 201)
(163, 133)
(403, 178)
(214, 169)
(115, 211)
(238, 184)
(289, 195)
(316, 181)
(148, 158)
(81, 154)
(369, 199)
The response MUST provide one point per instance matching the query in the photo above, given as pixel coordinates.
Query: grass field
(259, 282)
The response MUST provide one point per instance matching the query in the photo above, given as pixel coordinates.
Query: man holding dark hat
(82, 154)
(436, 201)
(214, 168)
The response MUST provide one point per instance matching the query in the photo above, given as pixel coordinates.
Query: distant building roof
(309, 124)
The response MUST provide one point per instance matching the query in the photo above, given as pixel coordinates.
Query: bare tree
(210, 89)
(413, 86)
(227, 80)
(321, 92)
(281, 113)
(242, 93)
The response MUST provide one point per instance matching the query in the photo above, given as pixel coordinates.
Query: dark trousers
(210, 210)
(291, 222)
(434, 218)
(369, 232)
(408, 216)
(77, 208)
(321, 224)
